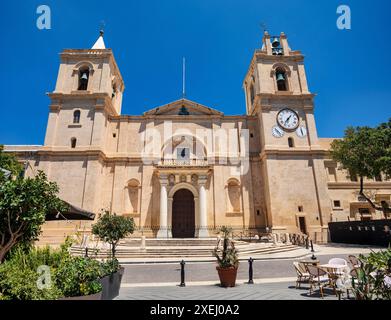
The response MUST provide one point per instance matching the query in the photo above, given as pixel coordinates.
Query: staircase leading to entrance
(178, 248)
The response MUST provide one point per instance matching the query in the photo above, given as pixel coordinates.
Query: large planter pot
(95, 296)
(111, 284)
(227, 276)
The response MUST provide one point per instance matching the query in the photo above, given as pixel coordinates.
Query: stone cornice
(290, 96)
(356, 185)
(313, 151)
(103, 100)
(176, 118)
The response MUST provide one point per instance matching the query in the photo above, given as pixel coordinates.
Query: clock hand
(287, 119)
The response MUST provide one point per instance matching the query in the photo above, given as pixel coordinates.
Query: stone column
(203, 218)
(162, 233)
(169, 218)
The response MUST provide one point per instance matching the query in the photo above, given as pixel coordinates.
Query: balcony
(173, 163)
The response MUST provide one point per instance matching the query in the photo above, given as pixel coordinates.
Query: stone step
(151, 242)
(190, 252)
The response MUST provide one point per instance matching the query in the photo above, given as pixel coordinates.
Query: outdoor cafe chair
(318, 278)
(302, 276)
(354, 261)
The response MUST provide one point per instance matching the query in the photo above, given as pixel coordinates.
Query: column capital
(202, 179)
(163, 179)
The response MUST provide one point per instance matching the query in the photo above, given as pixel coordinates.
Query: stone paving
(274, 279)
(265, 291)
(170, 272)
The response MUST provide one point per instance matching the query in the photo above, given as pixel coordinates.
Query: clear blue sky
(349, 70)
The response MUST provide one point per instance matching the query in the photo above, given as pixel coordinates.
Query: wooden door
(183, 215)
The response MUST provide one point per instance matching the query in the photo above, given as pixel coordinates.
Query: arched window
(76, 116)
(73, 143)
(252, 94)
(291, 142)
(114, 87)
(234, 196)
(84, 74)
(281, 80)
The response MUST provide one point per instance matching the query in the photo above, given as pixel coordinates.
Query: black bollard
(182, 274)
(250, 271)
(306, 243)
(86, 253)
(312, 250)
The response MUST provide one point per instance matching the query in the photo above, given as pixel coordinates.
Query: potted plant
(112, 228)
(227, 259)
(78, 279)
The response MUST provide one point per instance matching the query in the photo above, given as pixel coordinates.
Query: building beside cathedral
(183, 169)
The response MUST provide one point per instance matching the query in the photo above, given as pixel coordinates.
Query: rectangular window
(300, 208)
(337, 203)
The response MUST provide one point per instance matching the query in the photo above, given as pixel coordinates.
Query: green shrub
(109, 267)
(70, 276)
(374, 276)
(18, 275)
(78, 276)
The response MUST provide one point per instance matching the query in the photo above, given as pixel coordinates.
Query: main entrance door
(183, 215)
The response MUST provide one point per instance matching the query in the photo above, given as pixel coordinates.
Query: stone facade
(255, 171)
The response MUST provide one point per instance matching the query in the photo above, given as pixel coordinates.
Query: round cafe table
(334, 271)
(333, 268)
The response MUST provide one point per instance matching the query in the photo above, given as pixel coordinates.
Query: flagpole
(183, 77)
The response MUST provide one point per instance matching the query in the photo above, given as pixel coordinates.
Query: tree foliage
(9, 162)
(365, 152)
(24, 204)
(112, 228)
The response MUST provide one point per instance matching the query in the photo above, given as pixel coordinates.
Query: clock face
(288, 119)
(277, 132)
(301, 131)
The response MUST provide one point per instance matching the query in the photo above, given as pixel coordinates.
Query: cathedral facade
(183, 169)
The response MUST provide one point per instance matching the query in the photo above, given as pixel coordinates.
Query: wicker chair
(318, 277)
(345, 283)
(302, 275)
(354, 261)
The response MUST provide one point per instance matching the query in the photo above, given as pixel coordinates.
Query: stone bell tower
(88, 91)
(89, 88)
(277, 93)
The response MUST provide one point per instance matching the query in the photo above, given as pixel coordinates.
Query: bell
(280, 77)
(275, 42)
(84, 76)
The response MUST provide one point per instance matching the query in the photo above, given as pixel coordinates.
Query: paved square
(265, 291)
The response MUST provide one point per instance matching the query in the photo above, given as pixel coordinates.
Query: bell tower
(277, 93)
(89, 88)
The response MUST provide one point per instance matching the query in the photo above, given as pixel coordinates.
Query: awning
(73, 213)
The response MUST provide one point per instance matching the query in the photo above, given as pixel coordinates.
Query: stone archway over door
(183, 214)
